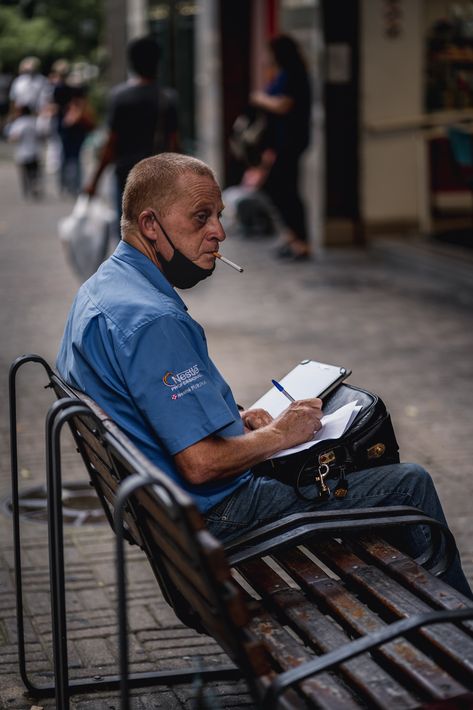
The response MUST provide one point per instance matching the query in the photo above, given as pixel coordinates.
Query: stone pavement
(401, 323)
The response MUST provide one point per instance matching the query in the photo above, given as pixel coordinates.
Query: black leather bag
(370, 441)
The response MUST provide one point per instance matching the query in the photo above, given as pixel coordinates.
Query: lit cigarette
(227, 261)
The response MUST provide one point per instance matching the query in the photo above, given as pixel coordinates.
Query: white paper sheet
(333, 427)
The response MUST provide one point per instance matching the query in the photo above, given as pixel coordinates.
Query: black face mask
(181, 271)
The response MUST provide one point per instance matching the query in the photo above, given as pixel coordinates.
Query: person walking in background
(30, 87)
(287, 104)
(23, 131)
(5, 82)
(77, 122)
(142, 117)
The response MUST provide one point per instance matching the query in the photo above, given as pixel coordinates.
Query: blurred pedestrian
(72, 120)
(5, 82)
(23, 131)
(30, 87)
(77, 122)
(60, 94)
(142, 117)
(286, 101)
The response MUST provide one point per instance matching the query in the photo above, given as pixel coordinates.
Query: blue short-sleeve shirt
(131, 345)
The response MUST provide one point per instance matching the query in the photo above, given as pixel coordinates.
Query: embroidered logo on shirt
(185, 377)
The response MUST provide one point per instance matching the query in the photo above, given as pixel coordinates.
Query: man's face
(193, 220)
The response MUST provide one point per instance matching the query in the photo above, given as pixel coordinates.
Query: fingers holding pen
(299, 421)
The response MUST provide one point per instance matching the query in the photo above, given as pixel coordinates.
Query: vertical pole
(208, 79)
(116, 40)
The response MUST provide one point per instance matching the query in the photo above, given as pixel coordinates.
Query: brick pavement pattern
(406, 333)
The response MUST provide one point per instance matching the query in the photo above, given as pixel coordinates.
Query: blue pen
(282, 390)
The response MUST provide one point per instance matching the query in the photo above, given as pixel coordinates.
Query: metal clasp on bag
(327, 457)
(322, 471)
(376, 451)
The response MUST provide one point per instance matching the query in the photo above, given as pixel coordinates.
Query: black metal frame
(59, 413)
(294, 529)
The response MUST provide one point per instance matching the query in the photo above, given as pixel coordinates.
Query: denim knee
(415, 477)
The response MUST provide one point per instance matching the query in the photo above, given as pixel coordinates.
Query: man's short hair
(152, 183)
(144, 54)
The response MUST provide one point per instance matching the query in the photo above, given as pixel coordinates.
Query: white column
(208, 83)
(136, 21)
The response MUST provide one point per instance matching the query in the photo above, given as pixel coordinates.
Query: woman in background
(287, 103)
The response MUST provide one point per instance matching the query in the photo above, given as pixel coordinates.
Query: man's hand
(298, 423)
(255, 418)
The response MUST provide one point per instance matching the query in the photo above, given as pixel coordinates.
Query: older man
(130, 344)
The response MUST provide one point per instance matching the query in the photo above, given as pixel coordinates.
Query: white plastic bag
(85, 234)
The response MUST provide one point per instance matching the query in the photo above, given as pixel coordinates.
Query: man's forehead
(197, 189)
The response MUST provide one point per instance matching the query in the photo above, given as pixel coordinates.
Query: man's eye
(202, 217)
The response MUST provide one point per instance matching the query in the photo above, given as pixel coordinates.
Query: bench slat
(175, 531)
(106, 485)
(400, 656)
(185, 566)
(453, 645)
(87, 433)
(432, 589)
(370, 680)
(325, 691)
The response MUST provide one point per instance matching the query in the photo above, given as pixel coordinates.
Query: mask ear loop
(163, 231)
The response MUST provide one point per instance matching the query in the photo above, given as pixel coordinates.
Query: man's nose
(218, 231)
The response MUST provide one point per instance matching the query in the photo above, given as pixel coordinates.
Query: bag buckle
(327, 457)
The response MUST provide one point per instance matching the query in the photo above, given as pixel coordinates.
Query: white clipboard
(306, 380)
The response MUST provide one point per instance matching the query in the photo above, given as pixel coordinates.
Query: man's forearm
(218, 457)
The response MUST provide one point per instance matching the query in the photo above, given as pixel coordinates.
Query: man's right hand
(298, 423)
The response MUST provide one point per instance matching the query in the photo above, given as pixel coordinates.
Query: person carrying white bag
(85, 234)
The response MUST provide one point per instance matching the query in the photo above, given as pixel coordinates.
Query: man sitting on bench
(131, 345)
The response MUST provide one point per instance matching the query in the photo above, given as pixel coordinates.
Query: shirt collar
(125, 252)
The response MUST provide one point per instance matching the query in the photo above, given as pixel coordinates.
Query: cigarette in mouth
(227, 261)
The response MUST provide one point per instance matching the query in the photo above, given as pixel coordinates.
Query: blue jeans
(265, 500)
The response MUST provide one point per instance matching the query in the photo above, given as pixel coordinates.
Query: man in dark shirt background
(142, 118)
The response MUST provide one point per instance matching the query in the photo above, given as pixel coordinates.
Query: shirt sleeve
(168, 375)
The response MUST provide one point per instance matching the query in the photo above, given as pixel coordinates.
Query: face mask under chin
(182, 272)
(179, 270)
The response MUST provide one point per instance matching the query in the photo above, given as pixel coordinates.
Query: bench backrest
(188, 562)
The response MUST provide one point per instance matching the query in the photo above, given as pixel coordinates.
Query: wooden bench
(315, 610)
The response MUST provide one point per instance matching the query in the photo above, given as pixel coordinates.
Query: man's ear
(148, 225)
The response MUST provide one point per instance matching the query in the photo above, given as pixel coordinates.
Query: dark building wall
(235, 19)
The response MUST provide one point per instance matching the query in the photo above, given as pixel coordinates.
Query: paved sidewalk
(405, 331)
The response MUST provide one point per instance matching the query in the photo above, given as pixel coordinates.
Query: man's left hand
(255, 418)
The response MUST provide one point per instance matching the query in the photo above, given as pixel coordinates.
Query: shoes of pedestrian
(303, 256)
(286, 252)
